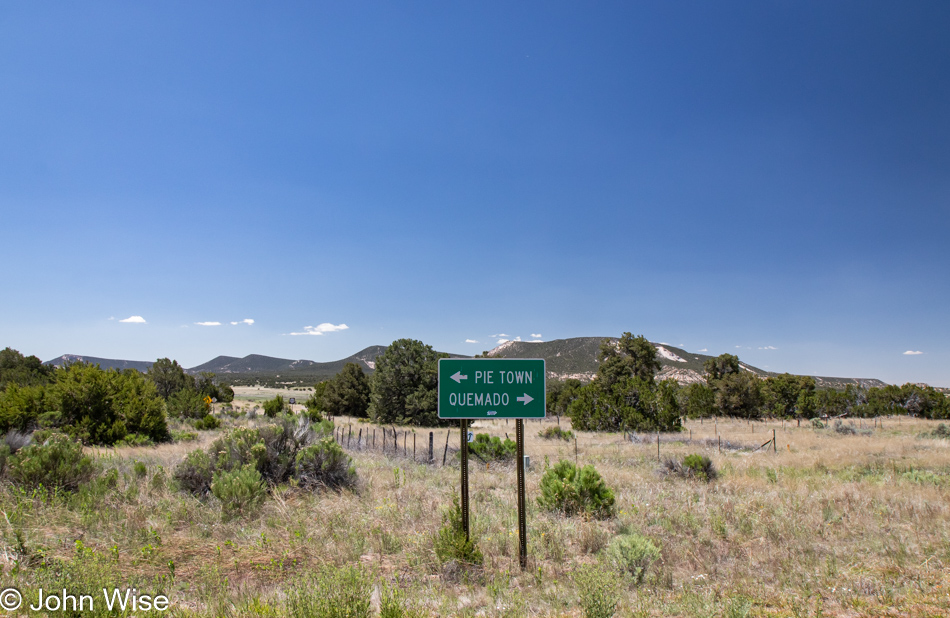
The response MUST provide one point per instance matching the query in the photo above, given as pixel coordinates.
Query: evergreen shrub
(693, 466)
(556, 433)
(572, 491)
(55, 463)
(207, 423)
(492, 448)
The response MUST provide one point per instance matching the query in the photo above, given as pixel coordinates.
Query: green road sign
(491, 388)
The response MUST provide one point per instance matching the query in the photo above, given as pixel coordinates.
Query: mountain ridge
(575, 357)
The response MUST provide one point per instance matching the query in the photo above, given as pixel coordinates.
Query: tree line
(103, 407)
(625, 396)
(108, 406)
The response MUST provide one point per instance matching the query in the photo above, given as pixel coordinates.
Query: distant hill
(104, 363)
(577, 358)
(564, 358)
(259, 369)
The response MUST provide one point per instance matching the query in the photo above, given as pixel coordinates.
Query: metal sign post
(522, 516)
(464, 440)
(487, 388)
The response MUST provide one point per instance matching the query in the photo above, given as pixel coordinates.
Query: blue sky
(762, 178)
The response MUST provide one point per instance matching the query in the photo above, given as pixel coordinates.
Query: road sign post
(488, 388)
(463, 438)
(522, 515)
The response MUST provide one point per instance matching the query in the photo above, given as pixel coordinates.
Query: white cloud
(538, 336)
(501, 341)
(319, 329)
(537, 341)
(134, 319)
(703, 350)
(769, 347)
(471, 341)
(111, 317)
(912, 352)
(208, 323)
(517, 338)
(499, 335)
(248, 321)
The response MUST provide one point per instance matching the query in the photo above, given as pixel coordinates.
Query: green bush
(599, 591)
(21, 406)
(556, 433)
(240, 491)
(238, 448)
(187, 403)
(572, 490)
(103, 407)
(332, 592)
(693, 466)
(491, 448)
(272, 450)
(207, 423)
(450, 542)
(273, 407)
(56, 463)
(633, 554)
(184, 436)
(134, 439)
(701, 467)
(324, 464)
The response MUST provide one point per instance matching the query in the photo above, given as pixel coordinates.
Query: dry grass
(830, 525)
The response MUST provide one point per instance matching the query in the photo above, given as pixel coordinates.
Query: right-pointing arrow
(526, 399)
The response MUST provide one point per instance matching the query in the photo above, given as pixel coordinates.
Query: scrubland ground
(829, 525)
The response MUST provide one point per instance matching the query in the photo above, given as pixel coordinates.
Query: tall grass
(833, 524)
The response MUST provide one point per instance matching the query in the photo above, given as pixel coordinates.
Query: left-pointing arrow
(526, 399)
(458, 377)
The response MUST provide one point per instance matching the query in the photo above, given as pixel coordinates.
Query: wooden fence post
(431, 439)
(446, 451)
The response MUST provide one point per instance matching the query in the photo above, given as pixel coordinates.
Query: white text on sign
(507, 377)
